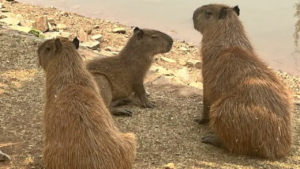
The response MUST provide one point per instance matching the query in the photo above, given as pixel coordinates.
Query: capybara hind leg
(120, 111)
(212, 139)
(141, 93)
(120, 102)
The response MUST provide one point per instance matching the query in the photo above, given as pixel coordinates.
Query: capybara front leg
(212, 139)
(141, 93)
(205, 113)
(118, 111)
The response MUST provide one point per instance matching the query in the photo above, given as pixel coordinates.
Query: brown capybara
(80, 131)
(119, 76)
(248, 108)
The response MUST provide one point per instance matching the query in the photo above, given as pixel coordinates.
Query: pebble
(119, 30)
(168, 59)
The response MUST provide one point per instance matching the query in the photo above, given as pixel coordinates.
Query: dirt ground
(165, 134)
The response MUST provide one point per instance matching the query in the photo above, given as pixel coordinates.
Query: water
(270, 24)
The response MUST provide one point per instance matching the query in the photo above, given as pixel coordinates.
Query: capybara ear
(58, 44)
(223, 13)
(76, 42)
(236, 10)
(139, 32)
(136, 29)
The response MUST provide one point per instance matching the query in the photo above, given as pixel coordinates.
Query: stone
(97, 37)
(21, 28)
(170, 166)
(119, 30)
(41, 24)
(4, 157)
(66, 34)
(10, 21)
(51, 35)
(197, 85)
(91, 44)
(168, 59)
(183, 74)
(111, 49)
(82, 35)
(184, 49)
(51, 20)
(162, 80)
(194, 64)
(61, 26)
(96, 27)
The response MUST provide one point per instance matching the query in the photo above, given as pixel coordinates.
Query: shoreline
(109, 42)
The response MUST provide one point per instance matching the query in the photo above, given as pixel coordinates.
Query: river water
(270, 24)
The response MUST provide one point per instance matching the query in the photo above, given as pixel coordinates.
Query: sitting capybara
(80, 131)
(248, 108)
(119, 76)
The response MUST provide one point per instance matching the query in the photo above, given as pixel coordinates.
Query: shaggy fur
(79, 130)
(120, 76)
(248, 108)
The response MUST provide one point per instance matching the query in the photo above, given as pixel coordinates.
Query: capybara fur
(248, 107)
(79, 130)
(119, 76)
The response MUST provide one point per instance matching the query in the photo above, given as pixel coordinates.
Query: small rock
(51, 35)
(119, 30)
(66, 34)
(194, 64)
(4, 157)
(183, 74)
(162, 80)
(91, 44)
(97, 37)
(21, 28)
(41, 24)
(170, 166)
(10, 21)
(184, 49)
(197, 85)
(82, 36)
(111, 49)
(96, 27)
(168, 60)
(61, 26)
(182, 62)
(115, 53)
(51, 20)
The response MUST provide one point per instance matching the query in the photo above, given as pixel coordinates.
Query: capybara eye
(48, 49)
(208, 13)
(154, 36)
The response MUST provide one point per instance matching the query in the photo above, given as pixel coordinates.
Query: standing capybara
(118, 77)
(248, 108)
(79, 130)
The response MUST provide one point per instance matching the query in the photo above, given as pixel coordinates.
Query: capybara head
(208, 16)
(151, 41)
(52, 48)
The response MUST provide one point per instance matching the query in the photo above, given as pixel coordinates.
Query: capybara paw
(4, 157)
(200, 120)
(211, 139)
(148, 105)
(122, 112)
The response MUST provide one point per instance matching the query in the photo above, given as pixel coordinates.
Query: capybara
(119, 76)
(247, 106)
(79, 130)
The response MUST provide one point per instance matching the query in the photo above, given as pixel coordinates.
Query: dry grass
(165, 134)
